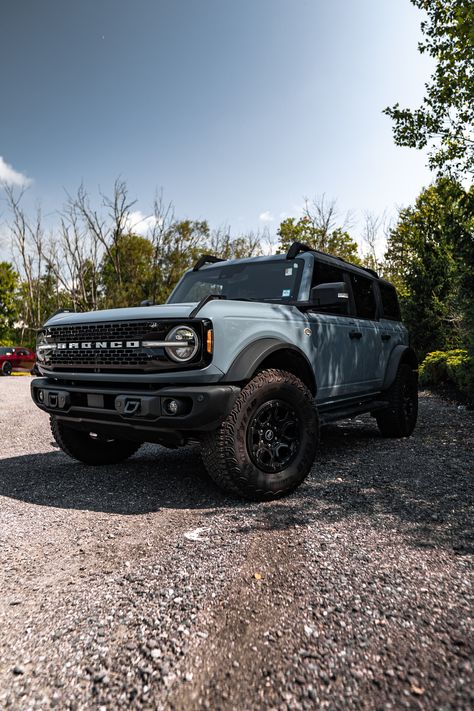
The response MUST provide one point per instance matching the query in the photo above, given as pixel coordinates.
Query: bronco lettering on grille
(96, 345)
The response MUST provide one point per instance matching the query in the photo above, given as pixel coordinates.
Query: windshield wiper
(211, 297)
(203, 302)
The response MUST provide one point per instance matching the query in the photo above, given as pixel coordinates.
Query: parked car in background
(13, 358)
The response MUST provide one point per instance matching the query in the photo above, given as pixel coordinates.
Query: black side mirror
(330, 297)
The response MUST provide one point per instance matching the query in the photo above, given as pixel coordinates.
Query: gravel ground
(141, 586)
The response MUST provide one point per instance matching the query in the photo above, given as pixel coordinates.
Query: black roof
(298, 247)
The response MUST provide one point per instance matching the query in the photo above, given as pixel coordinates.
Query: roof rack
(206, 259)
(298, 247)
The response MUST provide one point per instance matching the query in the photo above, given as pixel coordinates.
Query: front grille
(115, 360)
(116, 330)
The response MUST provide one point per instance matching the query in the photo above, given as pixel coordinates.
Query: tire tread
(218, 449)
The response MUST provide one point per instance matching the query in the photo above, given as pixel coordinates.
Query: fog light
(172, 407)
(40, 396)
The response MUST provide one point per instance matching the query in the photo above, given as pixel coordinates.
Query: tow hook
(131, 407)
(143, 406)
(127, 406)
(54, 399)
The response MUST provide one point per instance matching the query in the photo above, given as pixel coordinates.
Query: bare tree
(102, 232)
(324, 216)
(163, 218)
(372, 226)
(28, 247)
(223, 244)
(74, 259)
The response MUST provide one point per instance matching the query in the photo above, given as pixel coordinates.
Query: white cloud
(266, 216)
(10, 176)
(140, 224)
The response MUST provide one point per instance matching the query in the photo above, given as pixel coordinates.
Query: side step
(333, 413)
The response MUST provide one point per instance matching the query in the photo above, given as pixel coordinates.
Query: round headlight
(190, 340)
(44, 347)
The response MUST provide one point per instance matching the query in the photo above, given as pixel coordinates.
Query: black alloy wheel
(273, 436)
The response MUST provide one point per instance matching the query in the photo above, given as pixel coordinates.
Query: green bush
(455, 366)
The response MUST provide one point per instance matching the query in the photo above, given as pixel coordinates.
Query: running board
(333, 413)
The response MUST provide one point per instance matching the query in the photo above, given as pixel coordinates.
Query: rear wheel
(266, 446)
(7, 368)
(89, 447)
(399, 418)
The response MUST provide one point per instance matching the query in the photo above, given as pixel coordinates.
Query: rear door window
(390, 305)
(326, 274)
(364, 297)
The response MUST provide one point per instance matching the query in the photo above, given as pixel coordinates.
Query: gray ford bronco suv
(248, 357)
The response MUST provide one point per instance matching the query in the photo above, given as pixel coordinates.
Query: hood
(128, 314)
(213, 309)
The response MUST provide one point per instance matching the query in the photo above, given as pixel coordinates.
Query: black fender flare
(400, 354)
(252, 356)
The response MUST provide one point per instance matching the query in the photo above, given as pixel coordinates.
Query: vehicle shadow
(357, 474)
(404, 485)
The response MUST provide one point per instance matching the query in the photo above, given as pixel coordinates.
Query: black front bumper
(136, 413)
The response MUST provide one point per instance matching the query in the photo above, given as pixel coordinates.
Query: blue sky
(238, 110)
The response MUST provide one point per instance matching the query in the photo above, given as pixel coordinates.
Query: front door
(339, 357)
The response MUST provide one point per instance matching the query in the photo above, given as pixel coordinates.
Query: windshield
(276, 280)
(6, 351)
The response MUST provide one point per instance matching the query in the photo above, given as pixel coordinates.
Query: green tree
(132, 255)
(8, 299)
(177, 250)
(336, 241)
(423, 261)
(445, 120)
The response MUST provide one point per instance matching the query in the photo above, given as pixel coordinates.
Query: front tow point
(127, 406)
(138, 406)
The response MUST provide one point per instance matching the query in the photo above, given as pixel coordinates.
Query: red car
(16, 359)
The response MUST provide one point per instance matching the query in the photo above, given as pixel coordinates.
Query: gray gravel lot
(141, 586)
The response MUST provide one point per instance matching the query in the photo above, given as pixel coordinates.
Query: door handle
(386, 336)
(355, 334)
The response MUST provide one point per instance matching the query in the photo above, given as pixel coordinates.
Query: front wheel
(89, 447)
(399, 418)
(266, 446)
(7, 368)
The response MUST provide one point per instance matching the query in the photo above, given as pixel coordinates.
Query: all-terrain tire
(399, 418)
(91, 449)
(7, 368)
(266, 446)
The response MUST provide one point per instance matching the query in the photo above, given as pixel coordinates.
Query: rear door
(368, 333)
(14, 359)
(25, 358)
(392, 331)
(338, 356)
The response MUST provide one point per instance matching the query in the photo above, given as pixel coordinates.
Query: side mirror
(330, 297)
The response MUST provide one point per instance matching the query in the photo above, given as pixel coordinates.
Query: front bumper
(136, 413)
